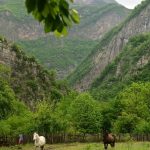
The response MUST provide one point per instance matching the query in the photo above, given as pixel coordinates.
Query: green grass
(89, 146)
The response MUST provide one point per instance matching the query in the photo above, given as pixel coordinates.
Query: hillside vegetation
(111, 37)
(61, 55)
(28, 79)
(132, 65)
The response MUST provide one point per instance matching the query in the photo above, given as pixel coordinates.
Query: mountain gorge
(98, 72)
(109, 91)
(110, 47)
(96, 20)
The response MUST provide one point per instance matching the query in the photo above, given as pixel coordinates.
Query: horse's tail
(114, 136)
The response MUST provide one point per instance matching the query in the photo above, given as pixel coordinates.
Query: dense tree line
(129, 112)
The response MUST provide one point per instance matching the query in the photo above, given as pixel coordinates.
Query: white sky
(129, 3)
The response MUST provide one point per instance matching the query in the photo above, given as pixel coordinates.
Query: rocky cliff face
(109, 49)
(131, 65)
(94, 25)
(29, 80)
(19, 29)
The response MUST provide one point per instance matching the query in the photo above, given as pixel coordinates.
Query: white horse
(40, 141)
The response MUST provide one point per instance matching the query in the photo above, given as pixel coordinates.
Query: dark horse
(108, 138)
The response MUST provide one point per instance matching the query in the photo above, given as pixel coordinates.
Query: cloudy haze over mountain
(129, 3)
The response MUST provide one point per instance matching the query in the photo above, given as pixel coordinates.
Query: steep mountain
(15, 23)
(131, 65)
(96, 19)
(29, 80)
(110, 47)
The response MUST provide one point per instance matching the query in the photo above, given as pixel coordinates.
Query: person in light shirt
(20, 139)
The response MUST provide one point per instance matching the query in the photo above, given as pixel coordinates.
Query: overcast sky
(129, 3)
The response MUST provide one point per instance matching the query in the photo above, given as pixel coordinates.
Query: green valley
(108, 95)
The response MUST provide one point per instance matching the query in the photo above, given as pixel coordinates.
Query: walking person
(20, 139)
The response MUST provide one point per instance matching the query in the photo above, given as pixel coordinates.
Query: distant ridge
(110, 47)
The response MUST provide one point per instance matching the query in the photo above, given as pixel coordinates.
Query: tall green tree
(86, 114)
(135, 112)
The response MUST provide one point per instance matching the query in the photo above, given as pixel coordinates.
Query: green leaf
(47, 28)
(64, 32)
(55, 14)
(75, 16)
(31, 5)
(45, 12)
(67, 21)
(64, 4)
(55, 10)
(60, 27)
(41, 5)
(37, 15)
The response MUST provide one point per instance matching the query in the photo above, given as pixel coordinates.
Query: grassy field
(88, 146)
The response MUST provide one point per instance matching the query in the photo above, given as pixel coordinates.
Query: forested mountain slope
(132, 65)
(29, 80)
(110, 47)
(15, 23)
(96, 19)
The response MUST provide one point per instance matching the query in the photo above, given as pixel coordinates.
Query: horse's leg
(42, 147)
(105, 146)
(112, 144)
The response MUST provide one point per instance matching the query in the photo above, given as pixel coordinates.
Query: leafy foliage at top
(55, 14)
